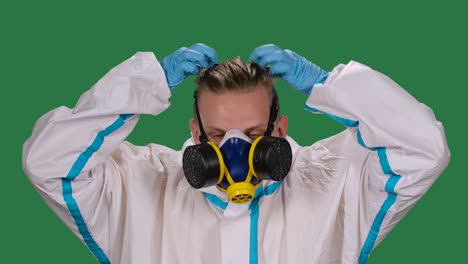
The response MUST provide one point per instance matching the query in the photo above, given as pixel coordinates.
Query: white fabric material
(138, 208)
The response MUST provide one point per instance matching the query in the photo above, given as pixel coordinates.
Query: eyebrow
(252, 128)
(214, 129)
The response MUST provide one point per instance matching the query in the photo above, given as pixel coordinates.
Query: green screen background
(52, 51)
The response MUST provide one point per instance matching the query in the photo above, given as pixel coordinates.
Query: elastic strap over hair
(273, 115)
(203, 138)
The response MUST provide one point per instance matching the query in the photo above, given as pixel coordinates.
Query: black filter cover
(272, 158)
(201, 165)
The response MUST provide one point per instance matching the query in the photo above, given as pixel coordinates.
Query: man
(340, 197)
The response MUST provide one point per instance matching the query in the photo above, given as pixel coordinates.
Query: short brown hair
(235, 75)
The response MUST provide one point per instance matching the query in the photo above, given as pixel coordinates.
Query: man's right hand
(296, 70)
(186, 61)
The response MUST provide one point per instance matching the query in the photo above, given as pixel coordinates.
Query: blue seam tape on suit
(216, 201)
(388, 203)
(254, 216)
(389, 186)
(67, 189)
(343, 121)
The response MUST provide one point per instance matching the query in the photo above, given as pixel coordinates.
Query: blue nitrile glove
(298, 72)
(185, 61)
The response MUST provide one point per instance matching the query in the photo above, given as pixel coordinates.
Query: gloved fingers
(275, 56)
(261, 51)
(192, 56)
(187, 68)
(209, 53)
(280, 68)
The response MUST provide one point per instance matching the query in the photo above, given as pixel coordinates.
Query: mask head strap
(273, 115)
(202, 137)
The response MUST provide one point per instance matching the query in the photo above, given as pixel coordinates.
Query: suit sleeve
(67, 157)
(404, 145)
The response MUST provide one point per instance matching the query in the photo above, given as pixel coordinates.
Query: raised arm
(68, 157)
(399, 150)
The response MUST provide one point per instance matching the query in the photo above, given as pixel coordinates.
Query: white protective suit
(132, 204)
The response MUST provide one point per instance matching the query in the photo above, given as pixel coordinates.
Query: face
(246, 111)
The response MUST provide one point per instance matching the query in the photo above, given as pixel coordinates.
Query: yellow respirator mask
(239, 164)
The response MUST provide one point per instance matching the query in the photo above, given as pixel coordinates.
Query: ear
(281, 129)
(195, 131)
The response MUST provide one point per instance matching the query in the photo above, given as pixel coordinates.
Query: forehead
(240, 110)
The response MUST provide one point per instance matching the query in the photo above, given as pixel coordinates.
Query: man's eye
(218, 136)
(254, 136)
